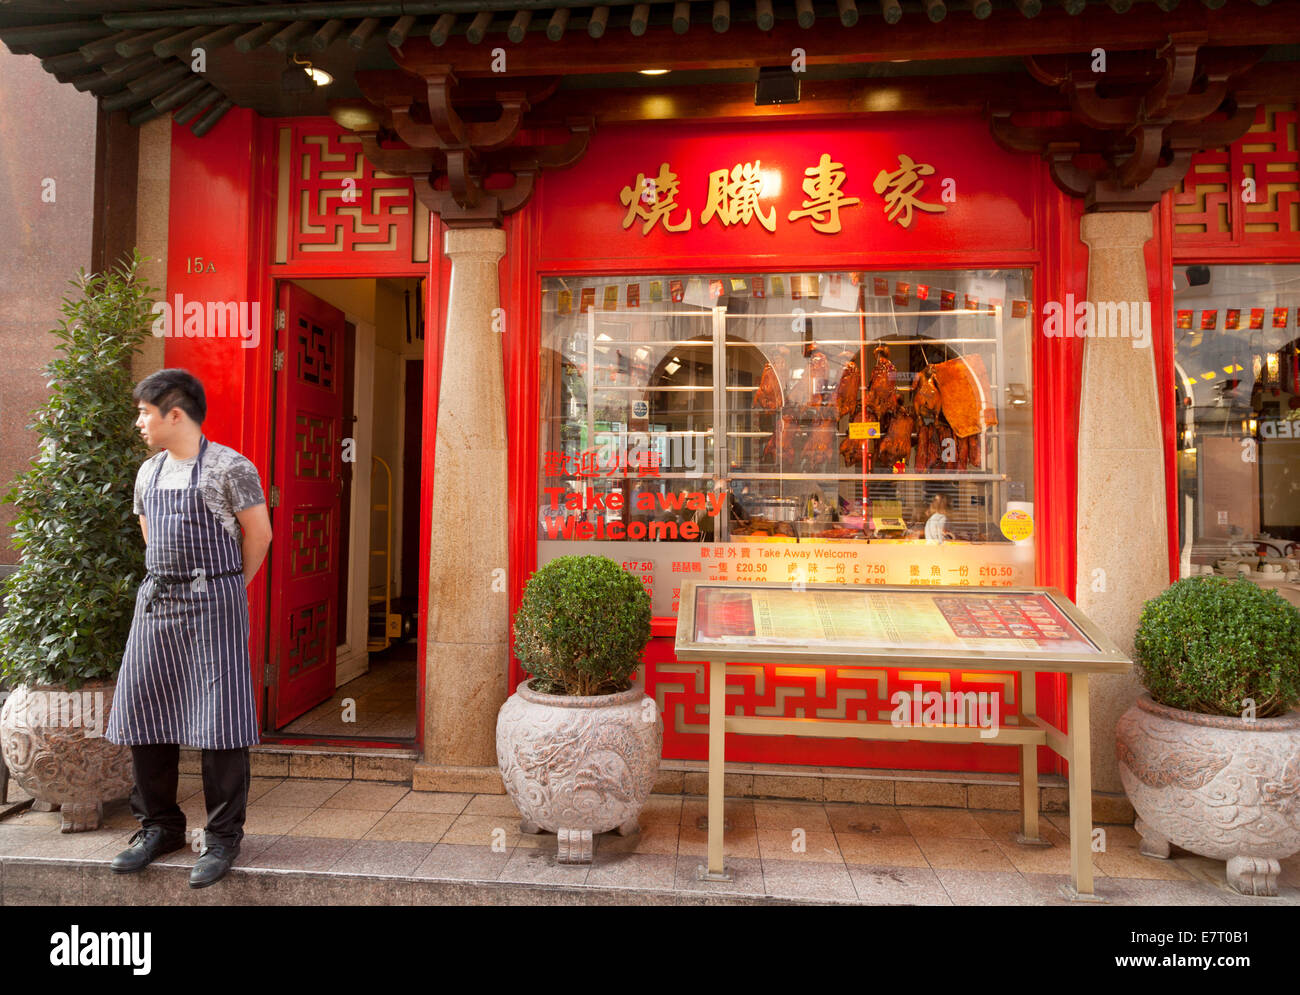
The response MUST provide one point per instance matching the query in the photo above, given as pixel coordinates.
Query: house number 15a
(194, 264)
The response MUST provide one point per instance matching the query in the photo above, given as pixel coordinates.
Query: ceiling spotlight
(302, 76)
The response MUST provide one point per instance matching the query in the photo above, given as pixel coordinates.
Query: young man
(185, 676)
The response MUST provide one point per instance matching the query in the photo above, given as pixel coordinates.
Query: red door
(304, 555)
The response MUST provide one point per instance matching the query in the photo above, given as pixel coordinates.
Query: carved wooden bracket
(432, 128)
(1133, 130)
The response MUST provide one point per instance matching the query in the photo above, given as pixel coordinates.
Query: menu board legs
(717, 740)
(1029, 769)
(1074, 746)
(1079, 743)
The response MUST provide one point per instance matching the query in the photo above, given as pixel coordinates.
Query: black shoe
(213, 864)
(146, 846)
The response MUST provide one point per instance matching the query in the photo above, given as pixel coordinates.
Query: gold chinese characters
(824, 197)
(737, 195)
(903, 185)
(733, 197)
(648, 205)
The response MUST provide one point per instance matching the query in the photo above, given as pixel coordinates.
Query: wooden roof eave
(746, 45)
(652, 33)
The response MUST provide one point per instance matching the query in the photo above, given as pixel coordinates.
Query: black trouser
(225, 790)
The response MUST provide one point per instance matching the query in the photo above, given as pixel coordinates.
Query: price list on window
(662, 567)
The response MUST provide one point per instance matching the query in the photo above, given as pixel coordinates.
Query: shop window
(1237, 363)
(824, 427)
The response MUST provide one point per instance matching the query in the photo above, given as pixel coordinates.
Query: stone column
(152, 208)
(467, 653)
(1123, 542)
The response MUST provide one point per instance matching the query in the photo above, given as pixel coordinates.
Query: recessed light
(652, 72)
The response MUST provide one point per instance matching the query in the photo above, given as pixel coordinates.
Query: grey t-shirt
(228, 482)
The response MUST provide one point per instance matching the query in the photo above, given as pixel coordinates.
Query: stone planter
(577, 766)
(53, 743)
(1221, 787)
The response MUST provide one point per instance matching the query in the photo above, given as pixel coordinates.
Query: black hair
(173, 388)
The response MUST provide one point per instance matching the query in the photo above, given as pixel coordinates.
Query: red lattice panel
(1201, 201)
(1269, 156)
(309, 535)
(313, 453)
(340, 204)
(308, 630)
(1211, 206)
(314, 355)
(681, 691)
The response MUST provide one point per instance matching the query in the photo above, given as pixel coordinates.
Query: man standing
(185, 676)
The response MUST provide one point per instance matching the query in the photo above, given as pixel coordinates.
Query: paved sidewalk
(839, 853)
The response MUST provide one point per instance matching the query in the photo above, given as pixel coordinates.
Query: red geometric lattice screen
(1215, 207)
(309, 534)
(307, 634)
(335, 213)
(681, 690)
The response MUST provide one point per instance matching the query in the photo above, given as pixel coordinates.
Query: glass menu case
(851, 426)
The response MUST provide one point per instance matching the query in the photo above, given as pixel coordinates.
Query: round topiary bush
(1208, 643)
(582, 626)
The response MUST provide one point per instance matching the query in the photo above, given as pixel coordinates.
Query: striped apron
(186, 676)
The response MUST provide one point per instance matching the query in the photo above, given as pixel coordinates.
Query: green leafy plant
(1208, 643)
(581, 626)
(68, 607)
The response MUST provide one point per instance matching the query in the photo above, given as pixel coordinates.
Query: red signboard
(750, 194)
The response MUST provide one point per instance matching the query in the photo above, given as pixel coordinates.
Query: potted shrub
(578, 745)
(1210, 757)
(69, 604)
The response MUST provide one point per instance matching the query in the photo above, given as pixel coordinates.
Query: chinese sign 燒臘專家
(739, 194)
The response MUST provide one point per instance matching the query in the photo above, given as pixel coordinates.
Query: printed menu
(1025, 622)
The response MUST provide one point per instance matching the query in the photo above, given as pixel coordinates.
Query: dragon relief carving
(579, 768)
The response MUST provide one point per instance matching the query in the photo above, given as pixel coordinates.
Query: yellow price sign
(864, 430)
(1017, 525)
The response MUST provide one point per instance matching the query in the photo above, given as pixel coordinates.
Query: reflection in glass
(1237, 363)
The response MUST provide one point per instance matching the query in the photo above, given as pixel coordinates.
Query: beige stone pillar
(1123, 542)
(152, 200)
(467, 651)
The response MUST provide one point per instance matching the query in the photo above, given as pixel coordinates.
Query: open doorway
(346, 469)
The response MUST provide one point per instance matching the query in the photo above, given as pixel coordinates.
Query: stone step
(334, 762)
(50, 881)
(945, 789)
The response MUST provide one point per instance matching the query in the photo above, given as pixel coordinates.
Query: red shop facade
(828, 261)
(668, 254)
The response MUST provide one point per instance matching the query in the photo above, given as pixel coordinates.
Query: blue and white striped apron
(186, 676)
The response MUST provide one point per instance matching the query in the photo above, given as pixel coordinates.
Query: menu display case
(702, 423)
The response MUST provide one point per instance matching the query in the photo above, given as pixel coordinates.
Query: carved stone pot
(1222, 787)
(54, 746)
(577, 766)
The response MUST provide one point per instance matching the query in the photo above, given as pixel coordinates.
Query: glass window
(851, 427)
(1237, 362)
